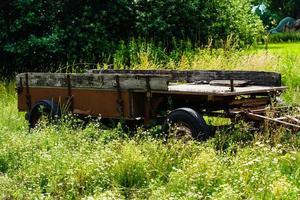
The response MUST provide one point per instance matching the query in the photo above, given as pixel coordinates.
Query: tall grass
(72, 164)
(284, 37)
(67, 162)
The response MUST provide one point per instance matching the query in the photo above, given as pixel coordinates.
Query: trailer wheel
(44, 108)
(186, 124)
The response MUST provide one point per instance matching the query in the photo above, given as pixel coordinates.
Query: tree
(285, 8)
(41, 35)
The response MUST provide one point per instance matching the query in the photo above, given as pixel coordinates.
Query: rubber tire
(199, 129)
(51, 109)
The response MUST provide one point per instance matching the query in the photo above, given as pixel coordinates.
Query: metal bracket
(148, 104)
(19, 88)
(70, 96)
(28, 96)
(148, 86)
(231, 85)
(120, 102)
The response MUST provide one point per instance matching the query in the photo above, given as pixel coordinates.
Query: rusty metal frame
(260, 115)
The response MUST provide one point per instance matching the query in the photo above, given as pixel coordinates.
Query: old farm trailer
(178, 98)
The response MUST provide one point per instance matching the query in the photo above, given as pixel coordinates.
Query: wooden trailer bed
(149, 94)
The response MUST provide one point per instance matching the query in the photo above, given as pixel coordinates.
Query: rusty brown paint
(251, 102)
(89, 102)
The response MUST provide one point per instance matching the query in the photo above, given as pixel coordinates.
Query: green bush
(44, 35)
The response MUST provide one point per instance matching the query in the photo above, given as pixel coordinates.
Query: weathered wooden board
(97, 81)
(254, 77)
(205, 89)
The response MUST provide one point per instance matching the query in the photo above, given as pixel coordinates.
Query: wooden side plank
(254, 77)
(98, 81)
(205, 89)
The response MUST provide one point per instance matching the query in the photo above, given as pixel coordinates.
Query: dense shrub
(41, 35)
(197, 20)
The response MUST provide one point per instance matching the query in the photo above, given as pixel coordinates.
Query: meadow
(70, 162)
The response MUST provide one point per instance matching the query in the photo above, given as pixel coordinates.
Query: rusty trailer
(166, 97)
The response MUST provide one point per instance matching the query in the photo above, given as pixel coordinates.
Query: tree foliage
(277, 10)
(39, 35)
(285, 8)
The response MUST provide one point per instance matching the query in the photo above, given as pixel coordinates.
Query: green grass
(63, 162)
(284, 37)
(283, 58)
(291, 49)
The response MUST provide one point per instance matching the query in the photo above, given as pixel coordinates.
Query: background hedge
(42, 35)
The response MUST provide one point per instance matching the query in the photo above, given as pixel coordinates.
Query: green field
(292, 49)
(68, 162)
